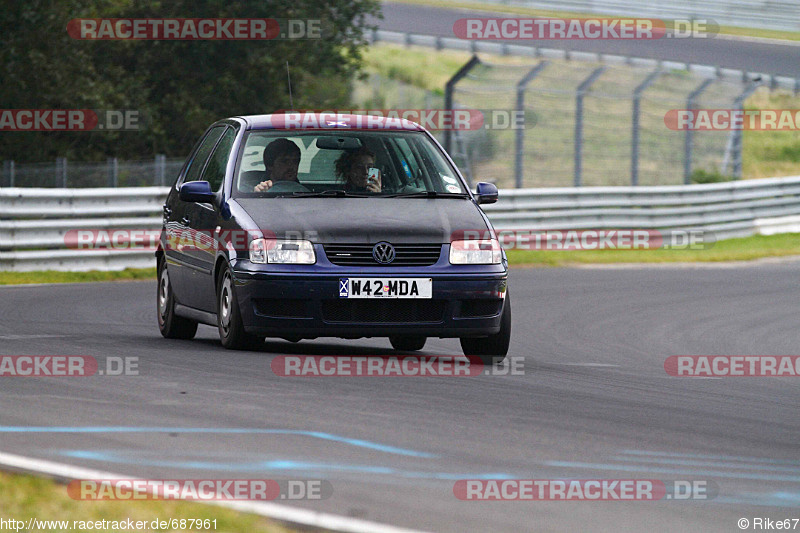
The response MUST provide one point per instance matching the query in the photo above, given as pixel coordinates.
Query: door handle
(185, 221)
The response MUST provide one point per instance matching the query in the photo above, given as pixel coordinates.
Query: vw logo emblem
(383, 253)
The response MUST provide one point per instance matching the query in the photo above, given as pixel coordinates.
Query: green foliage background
(179, 87)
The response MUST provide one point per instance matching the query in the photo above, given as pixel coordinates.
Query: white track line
(65, 473)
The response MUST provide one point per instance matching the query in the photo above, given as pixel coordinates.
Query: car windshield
(280, 164)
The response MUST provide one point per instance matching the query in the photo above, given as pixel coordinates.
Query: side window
(215, 170)
(200, 157)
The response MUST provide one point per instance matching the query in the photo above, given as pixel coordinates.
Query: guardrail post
(736, 134)
(579, 94)
(687, 141)
(113, 171)
(520, 140)
(161, 169)
(61, 172)
(637, 97)
(449, 88)
(8, 171)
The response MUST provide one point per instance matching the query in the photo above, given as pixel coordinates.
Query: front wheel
(494, 348)
(171, 325)
(410, 343)
(229, 320)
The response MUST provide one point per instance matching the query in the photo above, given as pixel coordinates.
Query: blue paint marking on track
(772, 499)
(275, 465)
(239, 431)
(684, 471)
(711, 464)
(775, 499)
(713, 457)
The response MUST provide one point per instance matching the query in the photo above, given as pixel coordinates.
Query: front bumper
(303, 301)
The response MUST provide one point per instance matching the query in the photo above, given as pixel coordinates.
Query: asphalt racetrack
(770, 57)
(593, 402)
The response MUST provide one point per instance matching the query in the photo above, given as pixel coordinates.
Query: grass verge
(745, 249)
(54, 276)
(521, 10)
(25, 497)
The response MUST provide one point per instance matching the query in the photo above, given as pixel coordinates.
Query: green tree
(179, 87)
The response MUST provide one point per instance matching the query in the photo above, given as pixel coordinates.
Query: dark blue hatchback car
(308, 225)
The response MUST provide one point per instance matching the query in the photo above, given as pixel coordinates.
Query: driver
(281, 159)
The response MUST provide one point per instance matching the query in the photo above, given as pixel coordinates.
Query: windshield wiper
(336, 193)
(429, 194)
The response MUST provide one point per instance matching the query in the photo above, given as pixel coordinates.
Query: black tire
(408, 343)
(494, 348)
(229, 320)
(170, 325)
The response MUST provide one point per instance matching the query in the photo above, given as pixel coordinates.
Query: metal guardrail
(731, 209)
(34, 222)
(767, 14)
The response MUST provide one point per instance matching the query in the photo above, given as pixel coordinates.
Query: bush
(709, 176)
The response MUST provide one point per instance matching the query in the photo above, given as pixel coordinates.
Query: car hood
(364, 220)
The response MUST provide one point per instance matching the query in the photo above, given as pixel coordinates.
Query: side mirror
(486, 192)
(197, 191)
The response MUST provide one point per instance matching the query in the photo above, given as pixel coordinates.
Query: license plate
(385, 288)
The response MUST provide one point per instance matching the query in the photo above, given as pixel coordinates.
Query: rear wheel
(494, 348)
(171, 325)
(408, 343)
(229, 320)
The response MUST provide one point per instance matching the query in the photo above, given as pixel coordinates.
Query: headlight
(476, 252)
(286, 252)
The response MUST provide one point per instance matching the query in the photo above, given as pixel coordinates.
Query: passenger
(352, 168)
(281, 159)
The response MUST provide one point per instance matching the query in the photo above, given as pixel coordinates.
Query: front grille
(384, 311)
(281, 308)
(361, 254)
(478, 308)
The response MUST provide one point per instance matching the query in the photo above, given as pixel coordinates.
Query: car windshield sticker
(406, 168)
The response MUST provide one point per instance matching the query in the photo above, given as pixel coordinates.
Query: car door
(183, 265)
(204, 219)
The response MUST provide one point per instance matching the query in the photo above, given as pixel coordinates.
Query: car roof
(301, 120)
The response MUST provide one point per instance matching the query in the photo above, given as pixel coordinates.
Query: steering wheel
(287, 186)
